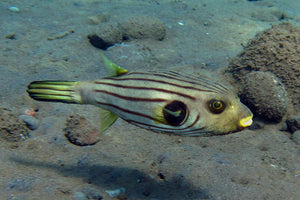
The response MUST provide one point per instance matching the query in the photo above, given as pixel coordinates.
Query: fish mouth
(245, 122)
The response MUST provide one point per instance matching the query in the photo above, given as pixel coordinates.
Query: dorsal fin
(112, 68)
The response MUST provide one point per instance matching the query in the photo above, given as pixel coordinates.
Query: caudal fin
(57, 91)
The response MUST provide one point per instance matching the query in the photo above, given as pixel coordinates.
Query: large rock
(276, 50)
(265, 95)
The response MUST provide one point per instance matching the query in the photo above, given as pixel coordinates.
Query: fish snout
(246, 121)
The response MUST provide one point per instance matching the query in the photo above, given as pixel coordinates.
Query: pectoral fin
(107, 119)
(159, 116)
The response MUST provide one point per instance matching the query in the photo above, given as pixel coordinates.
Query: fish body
(165, 102)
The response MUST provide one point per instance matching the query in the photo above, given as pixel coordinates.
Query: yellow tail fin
(57, 91)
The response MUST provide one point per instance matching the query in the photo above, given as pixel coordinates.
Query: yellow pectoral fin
(112, 68)
(107, 119)
(159, 116)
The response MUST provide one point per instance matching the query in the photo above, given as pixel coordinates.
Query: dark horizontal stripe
(201, 79)
(163, 82)
(184, 130)
(131, 98)
(128, 111)
(146, 88)
(164, 129)
(49, 95)
(42, 91)
(194, 132)
(149, 117)
(208, 83)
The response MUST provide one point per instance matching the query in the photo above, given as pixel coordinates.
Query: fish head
(208, 114)
(222, 114)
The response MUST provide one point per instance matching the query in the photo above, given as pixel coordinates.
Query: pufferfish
(165, 101)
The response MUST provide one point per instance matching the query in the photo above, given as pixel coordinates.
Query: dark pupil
(175, 113)
(216, 106)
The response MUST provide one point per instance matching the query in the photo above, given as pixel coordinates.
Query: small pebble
(92, 193)
(11, 36)
(14, 9)
(79, 196)
(296, 137)
(31, 122)
(116, 193)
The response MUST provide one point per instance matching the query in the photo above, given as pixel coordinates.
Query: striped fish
(165, 102)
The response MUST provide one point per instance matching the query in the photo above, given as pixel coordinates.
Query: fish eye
(175, 113)
(216, 106)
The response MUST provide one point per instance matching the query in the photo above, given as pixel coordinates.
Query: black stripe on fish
(166, 129)
(131, 98)
(146, 88)
(148, 117)
(198, 78)
(163, 82)
(209, 84)
(128, 111)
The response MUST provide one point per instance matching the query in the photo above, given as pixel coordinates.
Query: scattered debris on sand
(12, 129)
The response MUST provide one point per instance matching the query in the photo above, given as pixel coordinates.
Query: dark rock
(293, 123)
(265, 95)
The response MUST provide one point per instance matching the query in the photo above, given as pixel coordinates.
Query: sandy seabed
(48, 40)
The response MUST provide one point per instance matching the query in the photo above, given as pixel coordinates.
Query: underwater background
(55, 151)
